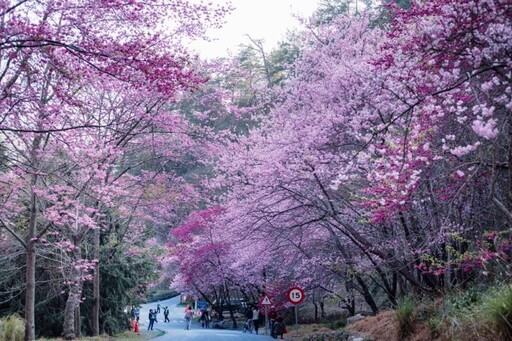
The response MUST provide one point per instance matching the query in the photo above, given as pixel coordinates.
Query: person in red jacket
(189, 314)
(272, 316)
(135, 326)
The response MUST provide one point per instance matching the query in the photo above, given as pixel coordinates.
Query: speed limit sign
(295, 295)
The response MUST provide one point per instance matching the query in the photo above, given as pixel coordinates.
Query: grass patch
(497, 310)
(336, 324)
(405, 316)
(434, 324)
(12, 328)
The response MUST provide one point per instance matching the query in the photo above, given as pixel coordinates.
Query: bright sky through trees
(262, 19)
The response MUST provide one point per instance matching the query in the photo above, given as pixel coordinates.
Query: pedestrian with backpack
(189, 314)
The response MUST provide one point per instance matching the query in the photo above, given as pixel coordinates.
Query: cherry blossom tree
(56, 56)
(388, 144)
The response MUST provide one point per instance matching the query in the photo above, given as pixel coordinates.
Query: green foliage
(12, 328)
(466, 299)
(328, 10)
(434, 325)
(281, 59)
(124, 281)
(476, 313)
(337, 324)
(405, 316)
(497, 310)
(385, 14)
(160, 295)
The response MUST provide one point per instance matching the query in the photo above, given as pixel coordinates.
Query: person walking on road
(272, 316)
(166, 314)
(255, 319)
(189, 314)
(205, 319)
(248, 318)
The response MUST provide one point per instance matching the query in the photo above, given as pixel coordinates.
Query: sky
(261, 19)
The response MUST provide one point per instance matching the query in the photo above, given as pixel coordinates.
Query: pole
(266, 318)
(296, 322)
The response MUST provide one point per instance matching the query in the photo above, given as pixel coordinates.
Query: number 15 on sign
(296, 296)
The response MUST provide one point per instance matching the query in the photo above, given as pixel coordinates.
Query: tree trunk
(316, 312)
(30, 293)
(232, 315)
(367, 295)
(96, 286)
(30, 272)
(352, 306)
(78, 322)
(69, 312)
(75, 293)
(230, 307)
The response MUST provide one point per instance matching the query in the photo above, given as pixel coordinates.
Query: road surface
(175, 330)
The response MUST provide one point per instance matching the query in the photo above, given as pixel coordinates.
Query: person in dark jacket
(205, 319)
(166, 314)
(248, 318)
(279, 328)
(152, 319)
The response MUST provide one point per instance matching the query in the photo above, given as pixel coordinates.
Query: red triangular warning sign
(265, 301)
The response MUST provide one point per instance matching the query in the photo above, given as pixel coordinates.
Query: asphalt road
(175, 330)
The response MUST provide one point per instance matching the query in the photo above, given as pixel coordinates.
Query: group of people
(135, 313)
(205, 319)
(277, 326)
(252, 316)
(153, 315)
(252, 319)
(189, 315)
(252, 323)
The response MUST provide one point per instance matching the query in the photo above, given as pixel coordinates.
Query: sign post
(266, 302)
(201, 304)
(295, 296)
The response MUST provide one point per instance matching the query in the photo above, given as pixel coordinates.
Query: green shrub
(337, 324)
(467, 298)
(12, 328)
(405, 316)
(434, 325)
(497, 310)
(160, 295)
